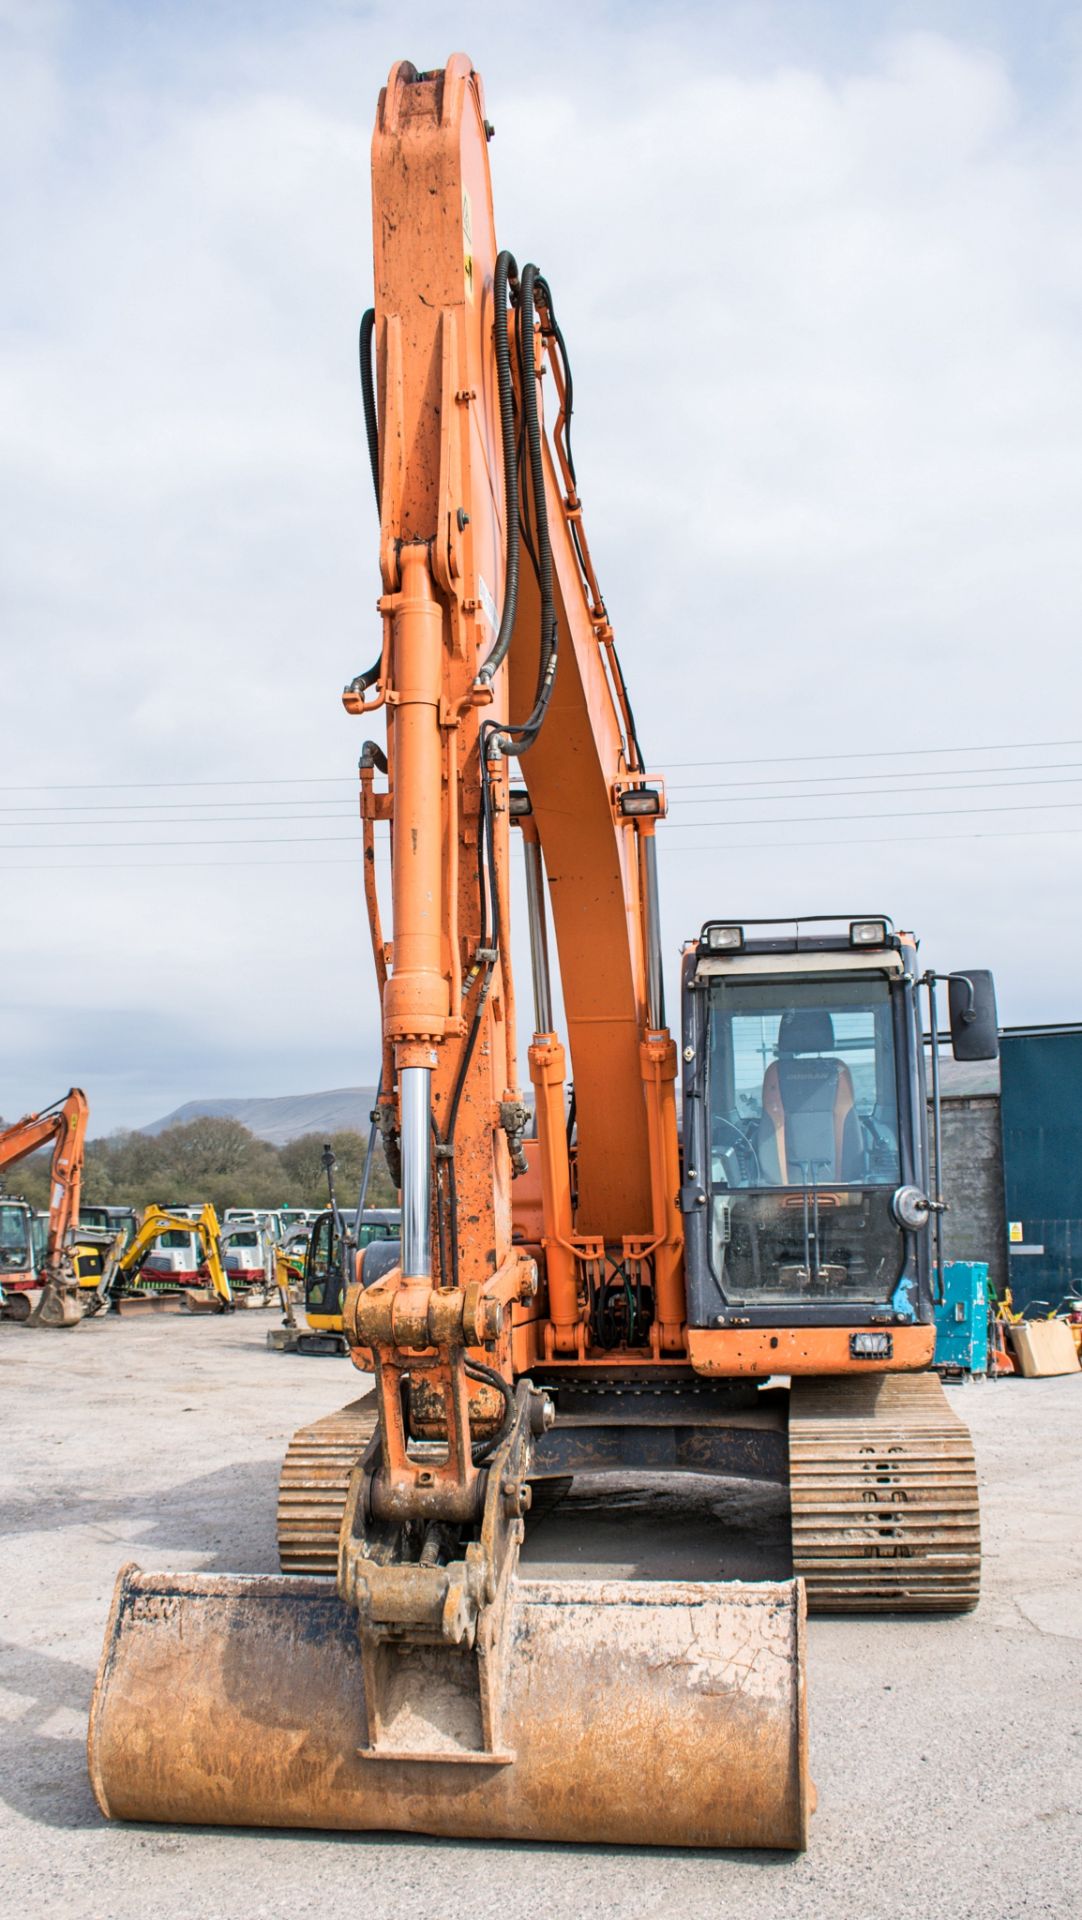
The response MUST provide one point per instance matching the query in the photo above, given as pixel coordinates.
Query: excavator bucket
(184, 1300)
(202, 1300)
(58, 1306)
(629, 1712)
(132, 1305)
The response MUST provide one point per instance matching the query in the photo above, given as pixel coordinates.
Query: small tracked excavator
(127, 1286)
(600, 1295)
(64, 1126)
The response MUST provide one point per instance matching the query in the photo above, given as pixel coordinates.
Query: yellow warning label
(1014, 1230)
(467, 240)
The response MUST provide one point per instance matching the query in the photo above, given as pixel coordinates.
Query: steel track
(883, 1494)
(314, 1483)
(884, 1500)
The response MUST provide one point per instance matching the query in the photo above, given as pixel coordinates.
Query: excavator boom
(64, 1125)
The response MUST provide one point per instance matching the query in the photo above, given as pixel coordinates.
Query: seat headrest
(806, 1030)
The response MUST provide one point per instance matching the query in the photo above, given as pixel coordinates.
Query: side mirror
(974, 1023)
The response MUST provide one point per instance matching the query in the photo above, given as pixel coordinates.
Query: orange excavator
(590, 1292)
(64, 1125)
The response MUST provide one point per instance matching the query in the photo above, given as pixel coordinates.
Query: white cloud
(822, 307)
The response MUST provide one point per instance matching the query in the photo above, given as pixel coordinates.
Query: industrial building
(1012, 1162)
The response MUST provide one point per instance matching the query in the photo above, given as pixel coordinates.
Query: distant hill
(285, 1116)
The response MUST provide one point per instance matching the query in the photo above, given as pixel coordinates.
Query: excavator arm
(64, 1125)
(498, 646)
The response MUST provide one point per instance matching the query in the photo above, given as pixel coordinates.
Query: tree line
(216, 1159)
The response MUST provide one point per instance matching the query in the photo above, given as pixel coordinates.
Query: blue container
(1041, 1109)
(961, 1320)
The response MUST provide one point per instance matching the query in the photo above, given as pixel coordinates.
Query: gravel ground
(945, 1751)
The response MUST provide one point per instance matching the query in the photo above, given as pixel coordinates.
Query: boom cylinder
(416, 997)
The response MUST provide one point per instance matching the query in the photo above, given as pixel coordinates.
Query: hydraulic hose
(368, 393)
(505, 275)
(371, 427)
(520, 737)
(488, 1376)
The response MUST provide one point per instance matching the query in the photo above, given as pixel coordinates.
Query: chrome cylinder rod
(415, 1098)
(539, 943)
(655, 981)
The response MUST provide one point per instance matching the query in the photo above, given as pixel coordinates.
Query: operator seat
(809, 1124)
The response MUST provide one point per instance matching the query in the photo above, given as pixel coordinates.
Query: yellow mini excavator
(125, 1286)
(596, 1290)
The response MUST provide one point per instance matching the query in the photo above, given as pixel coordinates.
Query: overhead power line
(883, 840)
(910, 813)
(705, 789)
(93, 846)
(878, 753)
(811, 779)
(733, 846)
(214, 820)
(754, 760)
(867, 793)
(676, 826)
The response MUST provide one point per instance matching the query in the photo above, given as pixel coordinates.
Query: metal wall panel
(1042, 1160)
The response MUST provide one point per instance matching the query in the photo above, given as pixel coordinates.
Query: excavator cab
(18, 1257)
(809, 1173)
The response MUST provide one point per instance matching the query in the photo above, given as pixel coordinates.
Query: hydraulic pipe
(415, 1096)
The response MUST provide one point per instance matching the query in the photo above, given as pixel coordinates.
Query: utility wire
(92, 846)
(867, 793)
(123, 786)
(810, 779)
(215, 820)
(875, 753)
(737, 846)
(884, 840)
(676, 826)
(756, 760)
(911, 813)
(192, 806)
(704, 788)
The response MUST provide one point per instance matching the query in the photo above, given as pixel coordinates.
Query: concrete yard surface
(946, 1751)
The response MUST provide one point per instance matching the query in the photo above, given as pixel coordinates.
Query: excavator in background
(19, 1255)
(126, 1286)
(752, 1297)
(63, 1125)
(249, 1257)
(323, 1277)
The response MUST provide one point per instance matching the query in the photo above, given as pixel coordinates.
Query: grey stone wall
(975, 1228)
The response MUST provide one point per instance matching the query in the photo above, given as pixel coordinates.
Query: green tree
(212, 1158)
(302, 1164)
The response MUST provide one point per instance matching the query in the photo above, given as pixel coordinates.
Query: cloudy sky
(819, 266)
